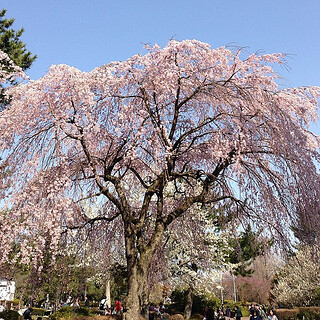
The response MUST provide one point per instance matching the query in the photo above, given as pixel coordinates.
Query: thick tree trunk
(137, 270)
(145, 300)
(135, 298)
(189, 303)
(138, 262)
(132, 303)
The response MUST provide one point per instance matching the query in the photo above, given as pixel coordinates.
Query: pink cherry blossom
(151, 139)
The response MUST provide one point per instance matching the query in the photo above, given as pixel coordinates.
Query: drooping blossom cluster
(151, 138)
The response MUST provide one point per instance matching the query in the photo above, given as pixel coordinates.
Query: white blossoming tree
(196, 255)
(298, 282)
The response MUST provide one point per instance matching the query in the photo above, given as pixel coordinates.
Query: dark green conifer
(11, 44)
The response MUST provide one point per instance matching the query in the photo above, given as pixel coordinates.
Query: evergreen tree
(245, 249)
(11, 44)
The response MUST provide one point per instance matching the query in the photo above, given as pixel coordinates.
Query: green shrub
(70, 312)
(179, 297)
(83, 311)
(308, 315)
(10, 315)
(38, 312)
(244, 310)
(65, 312)
(199, 302)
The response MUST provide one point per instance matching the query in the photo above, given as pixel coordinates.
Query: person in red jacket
(118, 307)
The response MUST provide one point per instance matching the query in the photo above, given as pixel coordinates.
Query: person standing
(232, 313)
(205, 314)
(262, 313)
(221, 315)
(152, 311)
(272, 316)
(251, 309)
(238, 313)
(118, 308)
(228, 313)
(210, 314)
(86, 302)
(161, 308)
(27, 314)
(102, 306)
(255, 316)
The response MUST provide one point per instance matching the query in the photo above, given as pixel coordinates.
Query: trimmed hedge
(70, 312)
(10, 315)
(306, 313)
(38, 312)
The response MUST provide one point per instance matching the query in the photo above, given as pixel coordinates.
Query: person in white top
(272, 316)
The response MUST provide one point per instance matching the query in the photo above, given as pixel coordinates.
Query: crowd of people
(256, 313)
(75, 302)
(261, 313)
(222, 313)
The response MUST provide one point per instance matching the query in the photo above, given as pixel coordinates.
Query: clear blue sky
(86, 34)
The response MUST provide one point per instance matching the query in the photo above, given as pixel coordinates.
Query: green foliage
(10, 315)
(38, 312)
(244, 310)
(11, 44)
(64, 312)
(66, 276)
(94, 291)
(317, 296)
(245, 248)
(308, 315)
(179, 297)
(69, 312)
(22, 283)
(83, 311)
(199, 302)
(118, 281)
